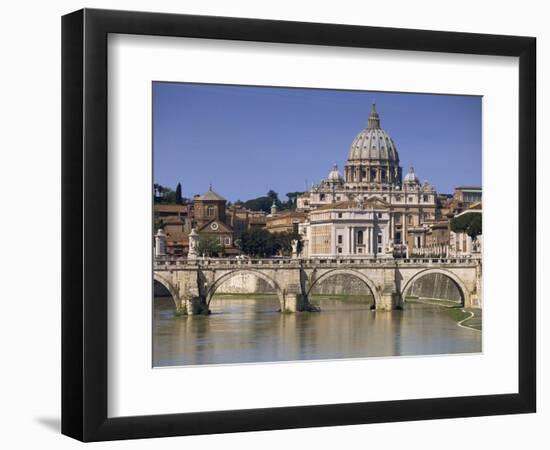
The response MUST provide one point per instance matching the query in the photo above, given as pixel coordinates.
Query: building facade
(354, 227)
(372, 184)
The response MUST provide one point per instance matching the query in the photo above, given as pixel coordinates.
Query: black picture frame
(84, 224)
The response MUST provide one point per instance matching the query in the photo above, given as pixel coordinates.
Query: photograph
(275, 225)
(301, 224)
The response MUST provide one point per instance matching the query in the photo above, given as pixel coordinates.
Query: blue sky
(246, 140)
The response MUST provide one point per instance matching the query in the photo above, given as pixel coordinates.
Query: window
(340, 240)
(339, 215)
(425, 198)
(410, 219)
(360, 237)
(379, 238)
(339, 249)
(398, 237)
(227, 241)
(360, 250)
(397, 217)
(210, 211)
(322, 197)
(379, 215)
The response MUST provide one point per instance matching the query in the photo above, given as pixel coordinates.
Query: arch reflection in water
(247, 328)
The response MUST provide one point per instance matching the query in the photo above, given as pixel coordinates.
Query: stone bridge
(193, 282)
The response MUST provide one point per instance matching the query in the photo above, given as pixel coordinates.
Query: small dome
(334, 175)
(211, 195)
(411, 177)
(373, 143)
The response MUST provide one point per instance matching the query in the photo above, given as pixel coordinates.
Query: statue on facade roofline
(294, 245)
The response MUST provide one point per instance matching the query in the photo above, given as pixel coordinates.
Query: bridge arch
(457, 281)
(352, 272)
(228, 275)
(173, 290)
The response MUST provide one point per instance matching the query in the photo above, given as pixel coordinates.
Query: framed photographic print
(273, 224)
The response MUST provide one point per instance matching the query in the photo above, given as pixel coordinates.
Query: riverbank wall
(435, 285)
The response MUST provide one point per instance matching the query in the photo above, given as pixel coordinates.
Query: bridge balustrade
(170, 262)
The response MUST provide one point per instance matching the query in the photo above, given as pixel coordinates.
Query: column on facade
(333, 240)
(369, 240)
(373, 239)
(392, 226)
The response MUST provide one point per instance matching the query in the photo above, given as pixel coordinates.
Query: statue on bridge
(193, 244)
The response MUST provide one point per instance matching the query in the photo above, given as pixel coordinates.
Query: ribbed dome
(373, 143)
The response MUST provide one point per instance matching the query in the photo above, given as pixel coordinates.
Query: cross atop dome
(374, 118)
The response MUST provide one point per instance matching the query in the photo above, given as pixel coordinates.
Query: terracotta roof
(222, 227)
(179, 236)
(283, 214)
(168, 220)
(168, 208)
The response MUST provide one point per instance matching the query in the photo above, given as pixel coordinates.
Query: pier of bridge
(193, 282)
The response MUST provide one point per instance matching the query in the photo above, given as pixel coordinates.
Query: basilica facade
(370, 210)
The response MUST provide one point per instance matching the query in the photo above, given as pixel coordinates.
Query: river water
(249, 329)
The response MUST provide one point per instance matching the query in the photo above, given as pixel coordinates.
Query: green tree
(157, 222)
(284, 240)
(264, 203)
(261, 243)
(164, 195)
(258, 242)
(259, 204)
(273, 195)
(178, 194)
(469, 223)
(209, 246)
(293, 199)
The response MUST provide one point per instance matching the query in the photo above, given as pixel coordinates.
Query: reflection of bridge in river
(193, 282)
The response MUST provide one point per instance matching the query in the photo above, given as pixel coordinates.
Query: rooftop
(211, 195)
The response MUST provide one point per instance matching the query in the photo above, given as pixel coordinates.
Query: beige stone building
(372, 183)
(353, 227)
(284, 221)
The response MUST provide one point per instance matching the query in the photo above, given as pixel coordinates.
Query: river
(249, 329)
